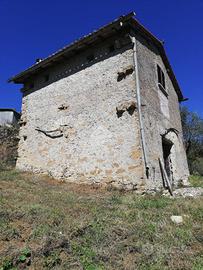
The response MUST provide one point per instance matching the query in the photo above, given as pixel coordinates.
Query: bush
(192, 125)
(8, 146)
(197, 166)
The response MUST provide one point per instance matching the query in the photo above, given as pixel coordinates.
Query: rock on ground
(177, 219)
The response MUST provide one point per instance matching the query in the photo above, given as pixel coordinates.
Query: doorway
(167, 146)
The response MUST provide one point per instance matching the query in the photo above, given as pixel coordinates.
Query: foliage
(193, 139)
(7, 264)
(8, 146)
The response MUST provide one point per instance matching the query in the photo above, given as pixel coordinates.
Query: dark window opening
(111, 48)
(90, 58)
(46, 78)
(161, 77)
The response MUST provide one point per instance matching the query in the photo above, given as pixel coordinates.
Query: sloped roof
(96, 35)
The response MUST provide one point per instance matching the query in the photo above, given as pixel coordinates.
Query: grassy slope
(70, 227)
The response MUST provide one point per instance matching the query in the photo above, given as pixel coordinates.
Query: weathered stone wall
(160, 113)
(83, 126)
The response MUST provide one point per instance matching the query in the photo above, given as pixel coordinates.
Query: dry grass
(45, 224)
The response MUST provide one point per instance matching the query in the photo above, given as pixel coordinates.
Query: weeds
(7, 264)
(9, 175)
(152, 203)
(52, 260)
(40, 231)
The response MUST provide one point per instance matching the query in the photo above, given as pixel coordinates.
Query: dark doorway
(167, 145)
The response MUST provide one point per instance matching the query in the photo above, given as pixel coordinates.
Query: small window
(111, 48)
(161, 77)
(90, 58)
(46, 78)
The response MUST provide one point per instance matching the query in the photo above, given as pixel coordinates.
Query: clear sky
(34, 29)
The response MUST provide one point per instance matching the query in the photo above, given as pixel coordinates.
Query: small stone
(177, 219)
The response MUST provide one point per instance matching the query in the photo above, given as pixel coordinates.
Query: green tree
(193, 139)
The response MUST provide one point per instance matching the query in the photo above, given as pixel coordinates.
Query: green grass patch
(152, 203)
(9, 175)
(196, 180)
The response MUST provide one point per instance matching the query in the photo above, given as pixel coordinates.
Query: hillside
(45, 224)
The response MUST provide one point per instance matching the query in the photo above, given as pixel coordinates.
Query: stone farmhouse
(105, 110)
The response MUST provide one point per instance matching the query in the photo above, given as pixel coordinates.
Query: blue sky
(34, 29)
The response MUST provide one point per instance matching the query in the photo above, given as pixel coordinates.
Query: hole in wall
(129, 106)
(122, 75)
(131, 109)
(119, 112)
(63, 107)
(22, 123)
(129, 71)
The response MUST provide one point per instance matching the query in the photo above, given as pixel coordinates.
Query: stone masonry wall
(84, 126)
(160, 113)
